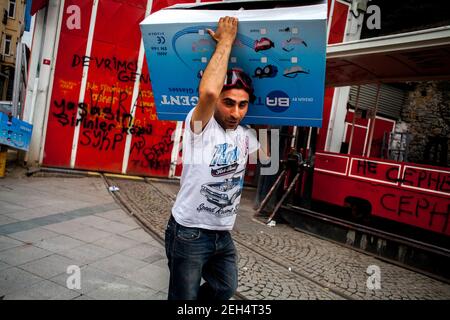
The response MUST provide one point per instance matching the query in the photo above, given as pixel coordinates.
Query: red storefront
(99, 111)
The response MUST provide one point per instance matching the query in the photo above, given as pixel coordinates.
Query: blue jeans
(194, 253)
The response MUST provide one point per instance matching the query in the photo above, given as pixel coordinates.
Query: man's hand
(214, 76)
(226, 30)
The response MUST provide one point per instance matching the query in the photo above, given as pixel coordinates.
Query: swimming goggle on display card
(234, 75)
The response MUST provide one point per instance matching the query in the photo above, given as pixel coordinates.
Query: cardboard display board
(282, 49)
(14, 132)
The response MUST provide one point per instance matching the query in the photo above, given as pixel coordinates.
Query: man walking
(215, 151)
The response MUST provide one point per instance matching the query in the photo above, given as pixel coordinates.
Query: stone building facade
(427, 115)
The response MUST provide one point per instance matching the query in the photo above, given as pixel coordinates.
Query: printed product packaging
(281, 48)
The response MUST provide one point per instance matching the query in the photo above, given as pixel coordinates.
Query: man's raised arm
(213, 77)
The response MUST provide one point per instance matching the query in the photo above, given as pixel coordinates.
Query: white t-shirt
(212, 180)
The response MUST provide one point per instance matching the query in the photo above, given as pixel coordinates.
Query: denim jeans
(195, 253)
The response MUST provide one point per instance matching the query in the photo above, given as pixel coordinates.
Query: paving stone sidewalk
(50, 223)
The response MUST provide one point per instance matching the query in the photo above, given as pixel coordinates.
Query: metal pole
(277, 207)
(372, 123)
(294, 137)
(17, 78)
(353, 121)
(269, 194)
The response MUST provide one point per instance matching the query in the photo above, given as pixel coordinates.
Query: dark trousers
(195, 253)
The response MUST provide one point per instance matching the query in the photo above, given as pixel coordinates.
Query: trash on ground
(272, 223)
(113, 188)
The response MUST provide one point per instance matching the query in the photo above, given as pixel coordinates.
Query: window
(12, 9)
(7, 45)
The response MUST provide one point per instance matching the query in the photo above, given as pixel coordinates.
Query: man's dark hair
(239, 85)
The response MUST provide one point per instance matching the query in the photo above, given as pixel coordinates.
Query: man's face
(231, 108)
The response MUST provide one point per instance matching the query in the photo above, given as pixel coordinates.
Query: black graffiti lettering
(107, 63)
(153, 154)
(433, 180)
(408, 172)
(100, 140)
(417, 207)
(404, 202)
(168, 137)
(384, 204)
(118, 137)
(144, 78)
(439, 181)
(428, 179)
(70, 105)
(84, 60)
(108, 113)
(89, 124)
(139, 103)
(372, 167)
(103, 126)
(62, 117)
(422, 203)
(366, 166)
(75, 60)
(149, 154)
(126, 123)
(422, 177)
(122, 76)
(392, 177)
(137, 145)
(435, 213)
(82, 110)
(95, 124)
(123, 95)
(85, 138)
(121, 65)
(95, 111)
(125, 76)
(137, 130)
(445, 185)
(126, 70)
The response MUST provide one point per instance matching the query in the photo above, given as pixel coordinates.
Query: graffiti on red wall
(114, 106)
(104, 119)
(126, 71)
(153, 154)
(419, 195)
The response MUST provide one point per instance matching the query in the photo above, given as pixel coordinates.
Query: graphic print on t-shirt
(222, 194)
(224, 160)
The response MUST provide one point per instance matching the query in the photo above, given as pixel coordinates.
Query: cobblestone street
(282, 263)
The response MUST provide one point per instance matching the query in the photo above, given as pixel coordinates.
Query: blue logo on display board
(278, 101)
